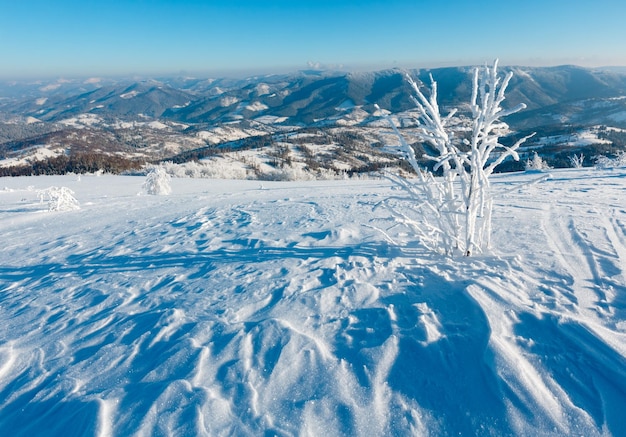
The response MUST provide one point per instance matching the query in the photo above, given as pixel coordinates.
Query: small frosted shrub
(577, 161)
(157, 182)
(456, 207)
(606, 162)
(537, 163)
(59, 199)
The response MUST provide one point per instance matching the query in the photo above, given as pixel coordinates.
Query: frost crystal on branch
(459, 202)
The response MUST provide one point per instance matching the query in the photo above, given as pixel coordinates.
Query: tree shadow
(449, 373)
(56, 415)
(591, 373)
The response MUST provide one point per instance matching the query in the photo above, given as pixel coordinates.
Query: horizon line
(244, 73)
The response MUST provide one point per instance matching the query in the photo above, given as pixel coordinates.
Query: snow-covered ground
(36, 153)
(299, 308)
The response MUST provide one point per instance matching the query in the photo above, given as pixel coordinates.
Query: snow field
(298, 308)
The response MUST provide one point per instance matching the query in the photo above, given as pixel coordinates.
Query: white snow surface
(82, 120)
(302, 308)
(130, 94)
(583, 138)
(36, 153)
(256, 106)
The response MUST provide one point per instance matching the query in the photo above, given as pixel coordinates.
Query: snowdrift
(299, 308)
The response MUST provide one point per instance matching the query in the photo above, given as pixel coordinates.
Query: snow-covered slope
(301, 308)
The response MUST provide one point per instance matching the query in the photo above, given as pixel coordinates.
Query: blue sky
(110, 37)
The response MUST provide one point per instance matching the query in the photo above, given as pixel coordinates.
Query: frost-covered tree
(157, 181)
(460, 202)
(605, 162)
(536, 163)
(59, 199)
(577, 161)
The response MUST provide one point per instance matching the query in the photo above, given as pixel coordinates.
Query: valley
(311, 124)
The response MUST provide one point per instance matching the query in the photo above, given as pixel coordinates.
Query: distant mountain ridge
(303, 97)
(179, 118)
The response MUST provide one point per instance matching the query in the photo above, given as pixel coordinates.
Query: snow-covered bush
(457, 206)
(577, 161)
(222, 169)
(288, 173)
(59, 199)
(157, 181)
(605, 162)
(208, 169)
(536, 163)
(296, 173)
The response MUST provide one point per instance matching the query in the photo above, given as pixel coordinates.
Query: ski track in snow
(230, 308)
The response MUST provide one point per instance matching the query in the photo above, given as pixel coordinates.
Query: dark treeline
(86, 162)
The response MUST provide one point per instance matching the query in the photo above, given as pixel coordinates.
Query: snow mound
(300, 308)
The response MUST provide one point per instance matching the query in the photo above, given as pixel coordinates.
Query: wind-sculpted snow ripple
(301, 309)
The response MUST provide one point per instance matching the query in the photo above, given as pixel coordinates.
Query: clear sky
(109, 37)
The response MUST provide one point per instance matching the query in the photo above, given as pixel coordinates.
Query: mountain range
(132, 113)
